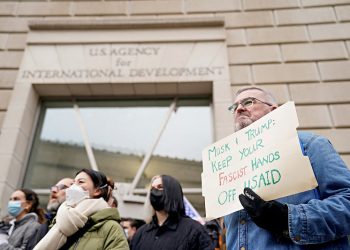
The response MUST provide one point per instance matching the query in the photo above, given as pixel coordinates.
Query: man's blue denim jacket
(318, 219)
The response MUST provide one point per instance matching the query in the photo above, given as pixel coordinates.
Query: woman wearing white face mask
(23, 206)
(85, 220)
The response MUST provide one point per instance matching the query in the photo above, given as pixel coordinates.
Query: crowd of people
(82, 212)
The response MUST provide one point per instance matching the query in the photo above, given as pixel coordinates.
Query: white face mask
(126, 232)
(75, 194)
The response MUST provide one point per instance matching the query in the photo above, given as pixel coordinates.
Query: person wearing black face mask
(170, 228)
(157, 199)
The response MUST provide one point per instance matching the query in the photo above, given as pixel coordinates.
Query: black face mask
(157, 199)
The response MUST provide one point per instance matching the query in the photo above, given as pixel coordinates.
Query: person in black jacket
(170, 228)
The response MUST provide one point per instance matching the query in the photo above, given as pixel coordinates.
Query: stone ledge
(90, 24)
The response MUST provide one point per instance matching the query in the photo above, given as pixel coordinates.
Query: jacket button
(242, 248)
(297, 238)
(242, 222)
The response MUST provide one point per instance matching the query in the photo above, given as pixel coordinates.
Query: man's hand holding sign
(270, 215)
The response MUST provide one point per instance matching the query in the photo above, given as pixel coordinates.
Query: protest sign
(265, 156)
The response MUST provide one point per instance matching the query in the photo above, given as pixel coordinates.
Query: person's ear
(97, 192)
(27, 206)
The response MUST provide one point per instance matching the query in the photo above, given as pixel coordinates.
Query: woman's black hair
(33, 198)
(173, 196)
(99, 180)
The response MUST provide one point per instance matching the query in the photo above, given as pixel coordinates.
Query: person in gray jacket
(23, 206)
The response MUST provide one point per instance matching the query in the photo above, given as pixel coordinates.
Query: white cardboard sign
(265, 156)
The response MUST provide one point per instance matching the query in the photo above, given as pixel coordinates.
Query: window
(121, 134)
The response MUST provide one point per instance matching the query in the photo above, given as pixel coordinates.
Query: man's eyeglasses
(246, 103)
(57, 188)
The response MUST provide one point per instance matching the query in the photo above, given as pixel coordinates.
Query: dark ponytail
(33, 198)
